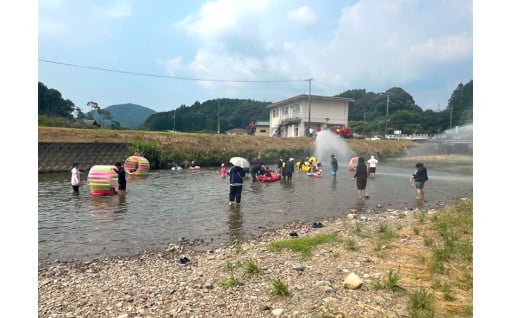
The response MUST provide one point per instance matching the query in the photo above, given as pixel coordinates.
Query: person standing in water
(121, 178)
(418, 180)
(361, 177)
(372, 163)
(75, 177)
(236, 181)
(334, 165)
(223, 171)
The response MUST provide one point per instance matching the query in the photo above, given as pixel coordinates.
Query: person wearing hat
(334, 165)
(75, 177)
(289, 169)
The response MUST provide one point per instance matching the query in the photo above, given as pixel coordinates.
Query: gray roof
(306, 97)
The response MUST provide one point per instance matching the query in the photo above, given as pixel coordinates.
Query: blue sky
(262, 50)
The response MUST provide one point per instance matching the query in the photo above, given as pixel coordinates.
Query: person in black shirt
(121, 178)
(418, 180)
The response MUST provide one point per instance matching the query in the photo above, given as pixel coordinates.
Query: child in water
(223, 171)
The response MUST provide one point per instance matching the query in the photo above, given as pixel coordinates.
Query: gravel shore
(153, 284)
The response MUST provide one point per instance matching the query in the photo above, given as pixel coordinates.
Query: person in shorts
(372, 165)
(418, 180)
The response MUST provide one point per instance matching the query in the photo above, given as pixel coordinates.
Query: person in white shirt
(75, 177)
(372, 163)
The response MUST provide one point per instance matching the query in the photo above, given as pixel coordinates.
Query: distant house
(302, 115)
(90, 122)
(262, 128)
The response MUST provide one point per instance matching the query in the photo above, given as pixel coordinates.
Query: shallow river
(170, 205)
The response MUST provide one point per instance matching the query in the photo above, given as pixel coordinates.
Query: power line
(171, 77)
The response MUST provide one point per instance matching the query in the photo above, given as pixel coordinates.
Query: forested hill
(208, 116)
(130, 115)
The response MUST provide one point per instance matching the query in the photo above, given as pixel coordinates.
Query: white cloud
(115, 9)
(303, 15)
(172, 65)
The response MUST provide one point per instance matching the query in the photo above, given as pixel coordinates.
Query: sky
(164, 54)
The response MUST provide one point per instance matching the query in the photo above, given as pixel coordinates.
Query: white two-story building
(302, 115)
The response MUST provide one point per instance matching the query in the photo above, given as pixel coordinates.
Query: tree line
(370, 114)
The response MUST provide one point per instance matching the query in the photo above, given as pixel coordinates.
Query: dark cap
(76, 163)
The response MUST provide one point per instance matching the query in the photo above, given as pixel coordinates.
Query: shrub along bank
(163, 149)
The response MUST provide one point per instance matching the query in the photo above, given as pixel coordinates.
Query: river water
(168, 206)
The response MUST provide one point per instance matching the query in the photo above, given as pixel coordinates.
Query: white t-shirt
(75, 177)
(373, 162)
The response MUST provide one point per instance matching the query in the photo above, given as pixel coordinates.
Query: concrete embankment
(59, 157)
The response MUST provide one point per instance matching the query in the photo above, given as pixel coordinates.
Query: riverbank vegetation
(164, 148)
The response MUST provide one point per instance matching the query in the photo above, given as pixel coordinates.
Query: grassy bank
(212, 149)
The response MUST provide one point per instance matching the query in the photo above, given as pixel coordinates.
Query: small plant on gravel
(230, 282)
(420, 304)
(447, 292)
(358, 230)
(385, 232)
(238, 248)
(422, 216)
(280, 288)
(390, 283)
(350, 245)
(229, 267)
(416, 230)
(427, 240)
(303, 245)
(251, 268)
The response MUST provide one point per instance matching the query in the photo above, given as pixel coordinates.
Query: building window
(284, 111)
(296, 131)
(275, 113)
(295, 109)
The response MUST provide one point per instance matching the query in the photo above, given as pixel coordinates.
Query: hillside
(130, 115)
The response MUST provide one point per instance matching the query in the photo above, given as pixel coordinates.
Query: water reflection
(122, 206)
(235, 223)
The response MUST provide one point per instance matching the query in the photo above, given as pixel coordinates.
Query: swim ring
(352, 164)
(136, 166)
(102, 179)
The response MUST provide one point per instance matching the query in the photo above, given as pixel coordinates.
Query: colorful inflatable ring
(102, 179)
(136, 166)
(352, 164)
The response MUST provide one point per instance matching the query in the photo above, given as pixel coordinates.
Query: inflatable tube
(136, 166)
(176, 168)
(102, 179)
(194, 168)
(305, 168)
(315, 174)
(352, 164)
(263, 178)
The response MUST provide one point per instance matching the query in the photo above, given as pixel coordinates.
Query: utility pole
(451, 111)
(309, 116)
(218, 116)
(387, 114)
(174, 117)
(364, 122)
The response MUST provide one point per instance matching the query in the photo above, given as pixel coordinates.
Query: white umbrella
(241, 162)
